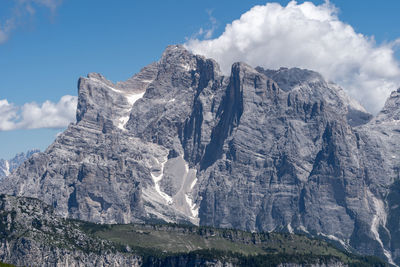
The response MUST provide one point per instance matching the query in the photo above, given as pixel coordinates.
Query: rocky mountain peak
(259, 150)
(391, 109)
(175, 53)
(288, 78)
(312, 85)
(100, 78)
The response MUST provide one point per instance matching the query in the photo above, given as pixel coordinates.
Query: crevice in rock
(229, 112)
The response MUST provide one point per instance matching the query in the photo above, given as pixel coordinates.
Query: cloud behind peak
(308, 36)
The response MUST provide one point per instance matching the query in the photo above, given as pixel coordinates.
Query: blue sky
(52, 43)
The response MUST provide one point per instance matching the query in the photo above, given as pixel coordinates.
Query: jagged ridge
(8, 166)
(260, 150)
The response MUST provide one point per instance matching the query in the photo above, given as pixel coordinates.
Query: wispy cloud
(33, 115)
(22, 11)
(208, 31)
(308, 36)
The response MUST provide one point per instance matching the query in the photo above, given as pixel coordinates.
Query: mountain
(30, 233)
(7, 166)
(259, 150)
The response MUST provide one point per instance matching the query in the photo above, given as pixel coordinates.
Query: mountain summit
(260, 150)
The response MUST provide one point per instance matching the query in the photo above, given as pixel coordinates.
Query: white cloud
(208, 32)
(21, 12)
(308, 36)
(32, 115)
(8, 113)
(5, 29)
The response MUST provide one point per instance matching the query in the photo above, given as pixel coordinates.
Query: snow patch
(193, 183)
(182, 203)
(334, 238)
(183, 199)
(156, 180)
(302, 228)
(147, 81)
(130, 97)
(7, 169)
(104, 84)
(186, 67)
(122, 122)
(186, 165)
(192, 206)
(379, 218)
(290, 229)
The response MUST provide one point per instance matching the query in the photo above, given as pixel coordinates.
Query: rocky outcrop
(378, 143)
(332, 264)
(28, 253)
(32, 235)
(8, 166)
(260, 150)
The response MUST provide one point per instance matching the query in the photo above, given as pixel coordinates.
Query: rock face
(259, 150)
(30, 235)
(8, 166)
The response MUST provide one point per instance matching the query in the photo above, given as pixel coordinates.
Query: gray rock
(296, 79)
(260, 150)
(8, 166)
(31, 235)
(331, 264)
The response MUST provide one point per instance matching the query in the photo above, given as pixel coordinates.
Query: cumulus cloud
(32, 115)
(22, 11)
(308, 36)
